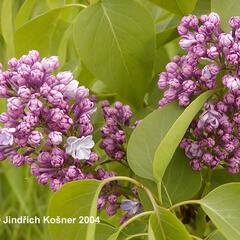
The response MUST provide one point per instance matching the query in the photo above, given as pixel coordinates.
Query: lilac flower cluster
(48, 126)
(113, 134)
(213, 137)
(44, 115)
(203, 41)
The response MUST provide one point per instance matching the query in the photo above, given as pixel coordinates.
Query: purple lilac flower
(212, 139)
(113, 136)
(48, 120)
(203, 40)
(39, 119)
(131, 206)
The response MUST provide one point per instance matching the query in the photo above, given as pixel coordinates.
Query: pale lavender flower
(6, 136)
(71, 89)
(131, 206)
(80, 148)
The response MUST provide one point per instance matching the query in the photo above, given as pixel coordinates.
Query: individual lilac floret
(209, 117)
(131, 206)
(79, 148)
(55, 137)
(6, 136)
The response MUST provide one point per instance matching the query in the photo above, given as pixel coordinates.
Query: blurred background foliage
(48, 26)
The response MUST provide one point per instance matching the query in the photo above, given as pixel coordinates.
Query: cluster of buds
(113, 134)
(204, 42)
(48, 126)
(213, 137)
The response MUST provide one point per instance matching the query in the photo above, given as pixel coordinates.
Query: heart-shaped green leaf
(147, 136)
(116, 41)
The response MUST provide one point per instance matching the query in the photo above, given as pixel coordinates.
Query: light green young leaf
(36, 34)
(78, 198)
(179, 7)
(147, 136)
(116, 42)
(62, 49)
(15, 177)
(55, 3)
(94, 1)
(222, 206)
(24, 13)
(171, 140)
(173, 229)
(7, 26)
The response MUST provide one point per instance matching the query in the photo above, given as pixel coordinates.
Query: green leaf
(172, 228)
(94, 1)
(97, 121)
(180, 182)
(171, 140)
(57, 35)
(152, 186)
(36, 34)
(115, 236)
(116, 42)
(103, 231)
(55, 3)
(217, 236)
(62, 49)
(147, 136)
(225, 9)
(201, 222)
(166, 29)
(75, 199)
(85, 77)
(16, 179)
(161, 60)
(179, 7)
(24, 13)
(155, 10)
(222, 206)
(222, 176)
(7, 26)
(202, 7)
